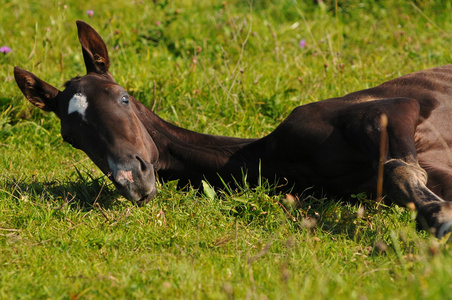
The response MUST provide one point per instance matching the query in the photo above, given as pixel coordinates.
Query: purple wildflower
(5, 49)
(302, 43)
(158, 23)
(90, 13)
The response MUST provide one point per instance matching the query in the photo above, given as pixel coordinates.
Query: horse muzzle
(134, 179)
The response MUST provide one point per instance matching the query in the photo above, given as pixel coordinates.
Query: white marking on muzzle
(127, 175)
(119, 174)
(78, 103)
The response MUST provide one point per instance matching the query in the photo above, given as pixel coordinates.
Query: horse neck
(191, 157)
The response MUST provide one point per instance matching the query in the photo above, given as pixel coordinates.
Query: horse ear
(38, 92)
(95, 52)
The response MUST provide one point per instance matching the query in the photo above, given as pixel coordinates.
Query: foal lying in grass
(333, 145)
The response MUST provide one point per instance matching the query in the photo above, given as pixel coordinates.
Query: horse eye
(125, 100)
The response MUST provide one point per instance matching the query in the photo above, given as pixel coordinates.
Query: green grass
(66, 234)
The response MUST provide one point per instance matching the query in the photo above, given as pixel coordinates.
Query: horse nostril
(143, 165)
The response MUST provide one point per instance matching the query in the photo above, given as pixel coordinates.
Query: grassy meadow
(219, 67)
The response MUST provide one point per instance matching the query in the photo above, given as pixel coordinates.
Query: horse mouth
(140, 197)
(135, 188)
(145, 199)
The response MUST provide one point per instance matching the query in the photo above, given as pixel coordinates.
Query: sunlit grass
(226, 68)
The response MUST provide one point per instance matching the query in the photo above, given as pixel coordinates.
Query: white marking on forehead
(78, 104)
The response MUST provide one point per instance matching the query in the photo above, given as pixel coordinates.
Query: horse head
(100, 118)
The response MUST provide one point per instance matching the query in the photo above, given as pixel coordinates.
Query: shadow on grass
(354, 217)
(358, 217)
(82, 193)
(351, 218)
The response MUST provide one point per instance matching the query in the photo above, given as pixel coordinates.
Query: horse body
(333, 145)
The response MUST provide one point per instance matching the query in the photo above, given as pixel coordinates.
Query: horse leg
(406, 182)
